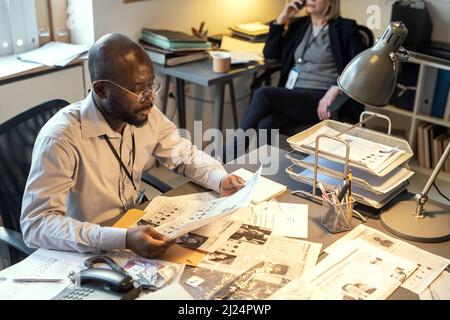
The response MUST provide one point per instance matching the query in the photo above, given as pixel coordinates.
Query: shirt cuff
(113, 238)
(214, 179)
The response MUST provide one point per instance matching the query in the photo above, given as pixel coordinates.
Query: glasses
(143, 95)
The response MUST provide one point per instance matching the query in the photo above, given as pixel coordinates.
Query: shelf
(422, 117)
(392, 109)
(434, 120)
(444, 176)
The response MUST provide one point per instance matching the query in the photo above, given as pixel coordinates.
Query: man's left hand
(230, 184)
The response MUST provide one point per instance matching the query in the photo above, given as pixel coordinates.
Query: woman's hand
(324, 103)
(290, 10)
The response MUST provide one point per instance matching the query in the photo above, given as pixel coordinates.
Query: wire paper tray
(304, 142)
(364, 180)
(360, 195)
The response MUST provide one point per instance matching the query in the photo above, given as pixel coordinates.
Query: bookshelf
(408, 121)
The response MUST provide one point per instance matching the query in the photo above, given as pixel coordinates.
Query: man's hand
(324, 103)
(147, 242)
(230, 184)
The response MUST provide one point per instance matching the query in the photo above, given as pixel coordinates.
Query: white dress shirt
(76, 188)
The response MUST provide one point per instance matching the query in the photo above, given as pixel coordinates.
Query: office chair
(17, 137)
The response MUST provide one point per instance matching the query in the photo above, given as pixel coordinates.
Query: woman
(313, 52)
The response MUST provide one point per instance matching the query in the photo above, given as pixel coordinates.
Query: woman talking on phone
(313, 51)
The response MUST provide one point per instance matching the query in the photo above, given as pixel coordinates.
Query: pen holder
(337, 217)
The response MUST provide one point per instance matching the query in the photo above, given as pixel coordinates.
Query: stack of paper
(377, 161)
(54, 54)
(265, 189)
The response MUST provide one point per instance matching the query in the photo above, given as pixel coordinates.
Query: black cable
(439, 191)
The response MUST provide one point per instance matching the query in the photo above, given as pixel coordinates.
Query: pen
(324, 192)
(343, 192)
(24, 280)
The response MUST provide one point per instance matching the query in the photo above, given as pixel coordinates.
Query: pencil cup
(221, 62)
(337, 217)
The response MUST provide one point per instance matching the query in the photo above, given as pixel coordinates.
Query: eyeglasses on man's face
(154, 90)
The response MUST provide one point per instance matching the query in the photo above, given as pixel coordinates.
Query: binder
(58, 20)
(23, 23)
(5, 30)
(43, 21)
(18, 33)
(31, 28)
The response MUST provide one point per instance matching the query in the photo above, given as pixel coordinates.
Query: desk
(24, 90)
(201, 73)
(316, 233)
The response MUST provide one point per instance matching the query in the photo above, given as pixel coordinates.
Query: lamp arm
(407, 55)
(422, 198)
(436, 170)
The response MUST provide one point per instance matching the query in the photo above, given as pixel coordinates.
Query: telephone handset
(100, 284)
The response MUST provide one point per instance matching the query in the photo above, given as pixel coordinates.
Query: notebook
(265, 189)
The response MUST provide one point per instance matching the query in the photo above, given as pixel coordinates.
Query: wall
(179, 14)
(81, 21)
(128, 19)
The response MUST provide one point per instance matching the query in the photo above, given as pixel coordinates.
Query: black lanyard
(308, 44)
(123, 166)
(133, 150)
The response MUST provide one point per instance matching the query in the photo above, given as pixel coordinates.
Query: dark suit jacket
(346, 43)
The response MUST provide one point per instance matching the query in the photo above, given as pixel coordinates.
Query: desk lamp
(370, 79)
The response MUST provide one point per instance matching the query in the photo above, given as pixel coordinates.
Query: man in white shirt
(88, 159)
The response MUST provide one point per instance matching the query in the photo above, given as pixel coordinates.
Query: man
(88, 159)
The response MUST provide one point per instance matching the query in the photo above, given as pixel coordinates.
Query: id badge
(292, 80)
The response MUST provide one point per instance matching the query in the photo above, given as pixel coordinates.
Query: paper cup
(221, 62)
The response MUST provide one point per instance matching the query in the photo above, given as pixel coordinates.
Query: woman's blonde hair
(333, 10)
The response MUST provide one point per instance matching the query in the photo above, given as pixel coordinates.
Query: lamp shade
(370, 78)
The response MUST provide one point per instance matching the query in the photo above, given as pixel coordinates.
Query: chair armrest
(155, 183)
(15, 240)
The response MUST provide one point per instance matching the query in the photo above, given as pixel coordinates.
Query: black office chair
(17, 137)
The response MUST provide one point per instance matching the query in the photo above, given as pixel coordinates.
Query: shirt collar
(94, 124)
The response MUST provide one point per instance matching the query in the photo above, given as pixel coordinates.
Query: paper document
(372, 155)
(238, 57)
(10, 65)
(356, 271)
(253, 27)
(439, 289)
(265, 188)
(54, 54)
(175, 218)
(284, 219)
(236, 45)
(359, 194)
(291, 257)
(210, 237)
(429, 265)
(361, 178)
(41, 264)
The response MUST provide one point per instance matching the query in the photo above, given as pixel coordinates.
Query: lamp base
(399, 219)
